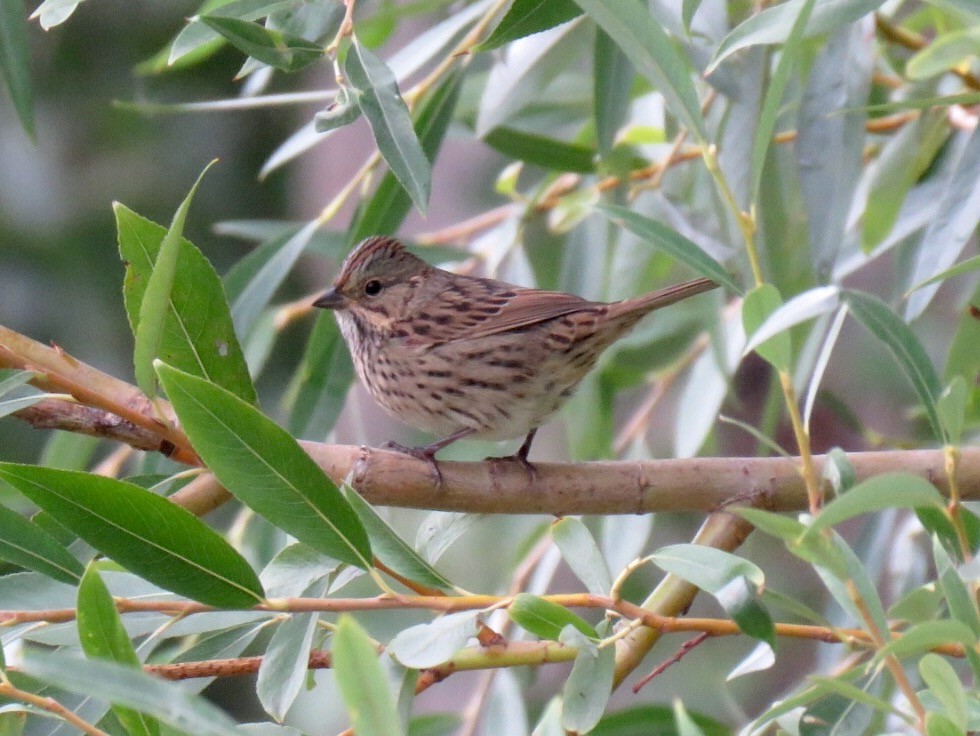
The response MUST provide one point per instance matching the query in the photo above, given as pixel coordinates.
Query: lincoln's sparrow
(461, 356)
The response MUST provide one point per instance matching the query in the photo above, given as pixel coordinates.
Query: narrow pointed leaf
(261, 464)
(773, 100)
(248, 304)
(949, 232)
(733, 581)
(385, 110)
(641, 37)
(121, 685)
(544, 618)
(427, 645)
(391, 549)
(103, 637)
(362, 682)
(582, 554)
(802, 307)
(671, 242)
(275, 48)
(774, 24)
(25, 544)
(198, 335)
(526, 17)
(285, 662)
(891, 490)
(154, 306)
(145, 533)
(388, 206)
(888, 327)
(587, 689)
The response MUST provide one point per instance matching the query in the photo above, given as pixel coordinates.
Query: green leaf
(938, 724)
(651, 720)
(706, 567)
(541, 150)
(15, 61)
(733, 581)
(774, 25)
(385, 110)
(802, 307)
(197, 37)
(544, 618)
(286, 659)
(884, 324)
(758, 305)
(198, 335)
(889, 490)
(967, 266)
(391, 549)
(671, 242)
(526, 17)
(943, 53)
(261, 464)
(580, 551)
(771, 523)
(920, 638)
(156, 300)
(830, 141)
(254, 296)
(275, 48)
(25, 544)
(388, 206)
(948, 233)
(641, 37)
(143, 532)
(685, 724)
(839, 686)
(169, 702)
(427, 645)
(588, 687)
(940, 677)
(318, 390)
(612, 90)
(959, 599)
(773, 100)
(362, 682)
(102, 636)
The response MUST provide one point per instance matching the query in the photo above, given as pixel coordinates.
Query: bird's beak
(330, 299)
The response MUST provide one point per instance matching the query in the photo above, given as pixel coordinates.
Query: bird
(463, 356)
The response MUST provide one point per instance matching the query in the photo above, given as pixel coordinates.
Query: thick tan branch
(621, 487)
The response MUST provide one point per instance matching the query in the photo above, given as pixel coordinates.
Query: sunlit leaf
(263, 465)
(144, 532)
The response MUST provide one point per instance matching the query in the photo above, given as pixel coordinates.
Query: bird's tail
(664, 297)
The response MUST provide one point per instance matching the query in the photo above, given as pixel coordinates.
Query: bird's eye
(372, 287)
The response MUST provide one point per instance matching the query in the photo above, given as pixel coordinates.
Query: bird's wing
(482, 308)
(525, 308)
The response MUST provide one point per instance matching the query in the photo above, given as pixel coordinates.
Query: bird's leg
(428, 452)
(521, 455)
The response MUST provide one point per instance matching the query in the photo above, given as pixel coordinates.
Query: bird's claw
(419, 453)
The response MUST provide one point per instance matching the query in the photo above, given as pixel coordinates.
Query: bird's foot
(426, 453)
(517, 457)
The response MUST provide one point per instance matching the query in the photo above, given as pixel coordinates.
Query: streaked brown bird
(460, 356)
